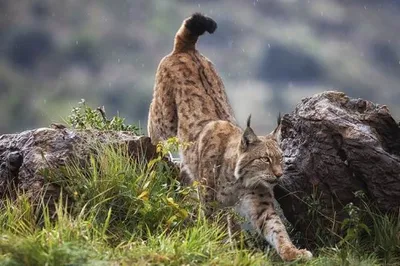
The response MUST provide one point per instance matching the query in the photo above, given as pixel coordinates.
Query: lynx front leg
(257, 206)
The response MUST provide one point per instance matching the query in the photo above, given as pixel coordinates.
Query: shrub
(84, 117)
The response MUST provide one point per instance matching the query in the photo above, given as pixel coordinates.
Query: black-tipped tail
(191, 29)
(197, 24)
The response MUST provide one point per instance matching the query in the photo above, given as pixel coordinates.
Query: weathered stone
(25, 156)
(334, 146)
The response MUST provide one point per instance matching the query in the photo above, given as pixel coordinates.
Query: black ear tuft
(197, 24)
(248, 121)
(248, 137)
(279, 118)
(276, 134)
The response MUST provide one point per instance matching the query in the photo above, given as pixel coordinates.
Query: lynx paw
(305, 254)
(291, 253)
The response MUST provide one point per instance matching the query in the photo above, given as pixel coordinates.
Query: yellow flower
(144, 195)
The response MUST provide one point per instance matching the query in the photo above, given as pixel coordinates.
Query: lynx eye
(265, 160)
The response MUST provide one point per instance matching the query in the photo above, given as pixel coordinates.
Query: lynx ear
(248, 137)
(276, 134)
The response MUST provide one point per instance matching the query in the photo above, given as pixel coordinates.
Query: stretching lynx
(238, 168)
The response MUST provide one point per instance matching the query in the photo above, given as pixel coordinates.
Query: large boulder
(334, 146)
(25, 157)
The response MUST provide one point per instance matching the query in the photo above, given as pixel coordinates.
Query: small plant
(323, 227)
(354, 225)
(84, 117)
(172, 145)
(381, 230)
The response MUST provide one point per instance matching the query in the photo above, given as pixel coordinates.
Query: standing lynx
(237, 167)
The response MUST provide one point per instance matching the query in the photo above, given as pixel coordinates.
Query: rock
(24, 157)
(9, 169)
(333, 147)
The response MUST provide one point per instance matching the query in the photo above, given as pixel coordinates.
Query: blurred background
(270, 54)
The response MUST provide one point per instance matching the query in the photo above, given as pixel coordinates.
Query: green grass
(117, 211)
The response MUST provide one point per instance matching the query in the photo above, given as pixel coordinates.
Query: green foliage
(171, 145)
(385, 235)
(84, 117)
(344, 257)
(131, 196)
(354, 225)
(370, 229)
(365, 237)
(323, 227)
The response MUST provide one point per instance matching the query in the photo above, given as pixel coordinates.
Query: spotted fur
(237, 167)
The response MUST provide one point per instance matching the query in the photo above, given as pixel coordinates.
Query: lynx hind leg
(257, 206)
(163, 121)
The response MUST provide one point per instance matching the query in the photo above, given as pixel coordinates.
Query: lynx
(238, 168)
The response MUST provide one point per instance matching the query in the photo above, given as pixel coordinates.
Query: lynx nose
(278, 172)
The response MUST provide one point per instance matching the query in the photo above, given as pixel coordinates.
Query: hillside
(270, 54)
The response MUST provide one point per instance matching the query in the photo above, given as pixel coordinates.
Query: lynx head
(259, 158)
